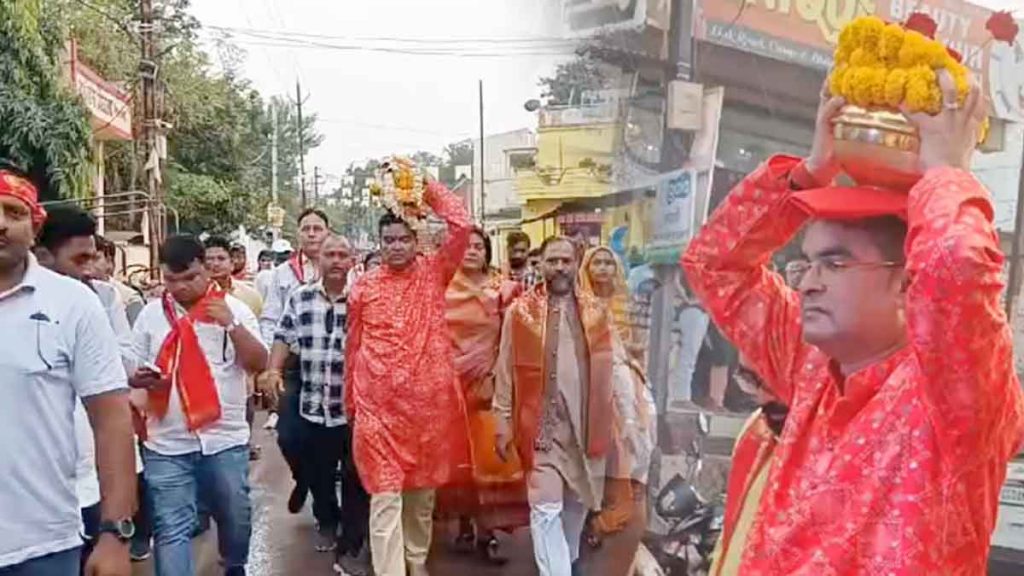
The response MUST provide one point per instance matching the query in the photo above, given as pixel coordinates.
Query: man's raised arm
(726, 264)
(449, 208)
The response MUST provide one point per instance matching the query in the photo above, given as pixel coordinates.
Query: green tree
(457, 154)
(43, 129)
(570, 80)
(218, 145)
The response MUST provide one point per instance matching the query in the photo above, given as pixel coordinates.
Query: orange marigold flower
(895, 85)
(892, 41)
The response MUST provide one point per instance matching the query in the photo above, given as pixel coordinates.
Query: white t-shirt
(170, 435)
(57, 345)
(282, 284)
(87, 483)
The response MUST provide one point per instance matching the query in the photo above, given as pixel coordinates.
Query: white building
(499, 207)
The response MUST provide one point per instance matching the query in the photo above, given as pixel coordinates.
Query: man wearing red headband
(893, 354)
(59, 346)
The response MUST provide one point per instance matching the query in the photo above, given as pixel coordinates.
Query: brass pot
(877, 147)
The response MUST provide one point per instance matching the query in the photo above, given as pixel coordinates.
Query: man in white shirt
(60, 348)
(66, 244)
(299, 270)
(202, 343)
(103, 270)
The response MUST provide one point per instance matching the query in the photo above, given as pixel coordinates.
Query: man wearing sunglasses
(893, 354)
(312, 327)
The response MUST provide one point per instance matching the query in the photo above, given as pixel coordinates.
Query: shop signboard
(674, 214)
(804, 32)
(110, 108)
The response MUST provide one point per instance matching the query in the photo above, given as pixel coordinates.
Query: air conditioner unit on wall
(585, 17)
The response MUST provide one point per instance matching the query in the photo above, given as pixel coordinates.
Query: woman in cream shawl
(623, 514)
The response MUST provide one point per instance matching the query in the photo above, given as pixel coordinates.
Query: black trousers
(326, 457)
(289, 424)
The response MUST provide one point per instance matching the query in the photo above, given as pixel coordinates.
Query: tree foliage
(218, 167)
(570, 80)
(43, 129)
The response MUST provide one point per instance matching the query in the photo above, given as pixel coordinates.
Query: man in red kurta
(896, 362)
(401, 388)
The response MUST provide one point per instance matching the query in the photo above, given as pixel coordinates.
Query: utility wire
(426, 41)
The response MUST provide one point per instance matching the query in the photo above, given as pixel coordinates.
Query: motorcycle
(694, 522)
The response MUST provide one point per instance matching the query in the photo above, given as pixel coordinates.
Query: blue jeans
(64, 563)
(172, 485)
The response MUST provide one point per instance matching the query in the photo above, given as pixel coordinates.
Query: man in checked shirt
(312, 326)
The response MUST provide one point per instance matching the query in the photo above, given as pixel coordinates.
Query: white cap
(281, 245)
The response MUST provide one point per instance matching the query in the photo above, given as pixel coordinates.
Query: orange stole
(182, 358)
(529, 319)
(753, 449)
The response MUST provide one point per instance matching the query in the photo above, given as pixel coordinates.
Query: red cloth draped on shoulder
(401, 390)
(183, 360)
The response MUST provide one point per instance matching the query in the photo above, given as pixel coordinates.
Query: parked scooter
(695, 523)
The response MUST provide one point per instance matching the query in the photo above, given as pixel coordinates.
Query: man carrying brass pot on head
(892, 353)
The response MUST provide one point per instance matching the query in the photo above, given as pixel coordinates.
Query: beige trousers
(401, 525)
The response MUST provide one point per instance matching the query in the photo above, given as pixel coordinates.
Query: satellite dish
(617, 241)
(532, 105)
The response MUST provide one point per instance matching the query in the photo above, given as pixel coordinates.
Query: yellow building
(573, 165)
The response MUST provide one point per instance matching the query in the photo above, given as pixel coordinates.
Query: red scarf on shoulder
(182, 358)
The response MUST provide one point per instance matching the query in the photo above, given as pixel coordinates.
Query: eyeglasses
(831, 267)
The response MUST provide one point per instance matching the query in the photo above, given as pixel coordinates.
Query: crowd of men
(430, 385)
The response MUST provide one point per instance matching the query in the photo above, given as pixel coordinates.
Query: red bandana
(20, 188)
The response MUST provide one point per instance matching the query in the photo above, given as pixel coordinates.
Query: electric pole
(273, 153)
(302, 149)
(483, 170)
(316, 184)
(148, 70)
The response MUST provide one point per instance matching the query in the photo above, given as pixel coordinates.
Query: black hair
(389, 218)
(370, 256)
(106, 247)
(179, 252)
(889, 234)
(488, 249)
(217, 242)
(316, 211)
(64, 223)
(517, 237)
(265, 254)
(236, 249)
(535, 252)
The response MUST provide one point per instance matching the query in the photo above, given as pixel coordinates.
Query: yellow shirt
(248, 295)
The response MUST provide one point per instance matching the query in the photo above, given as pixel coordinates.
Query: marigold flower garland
(400, 188)
(880, 65)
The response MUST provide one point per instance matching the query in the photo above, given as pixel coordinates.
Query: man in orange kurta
(553, 398)
(401, 388)
(894, 357)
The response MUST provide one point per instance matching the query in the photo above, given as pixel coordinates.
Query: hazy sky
(371, 104)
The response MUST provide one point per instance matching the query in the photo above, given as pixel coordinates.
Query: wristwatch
(123, 529)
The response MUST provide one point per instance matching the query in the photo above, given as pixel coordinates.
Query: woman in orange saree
(492, 494)
(622, 519)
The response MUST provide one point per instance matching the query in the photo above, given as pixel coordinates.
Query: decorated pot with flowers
(399, 187)
(883, 70)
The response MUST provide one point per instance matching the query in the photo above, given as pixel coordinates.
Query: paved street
(282, 542)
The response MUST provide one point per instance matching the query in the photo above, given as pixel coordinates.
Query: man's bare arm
(111, 421)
